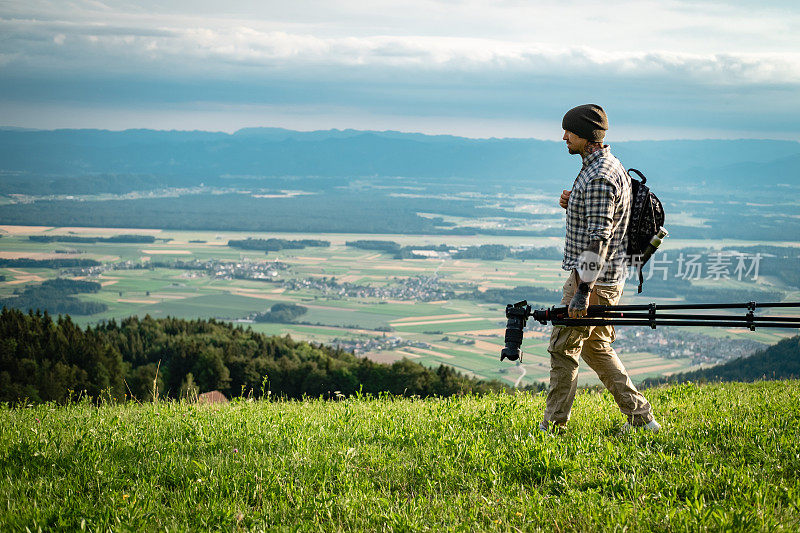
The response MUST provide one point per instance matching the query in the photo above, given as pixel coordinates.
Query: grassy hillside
(727, 460)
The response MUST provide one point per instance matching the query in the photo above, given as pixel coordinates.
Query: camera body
(517, 315)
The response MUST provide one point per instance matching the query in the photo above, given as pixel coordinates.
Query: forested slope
(43, 359)
(780, 361)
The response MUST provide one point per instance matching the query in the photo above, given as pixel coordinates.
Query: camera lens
(513, 337)
(511, 353)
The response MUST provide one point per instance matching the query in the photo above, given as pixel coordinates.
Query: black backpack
(646, 219)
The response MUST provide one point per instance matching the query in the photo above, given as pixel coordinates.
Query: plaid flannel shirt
(598, 209)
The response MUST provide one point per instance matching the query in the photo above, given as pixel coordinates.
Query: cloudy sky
(505, 68)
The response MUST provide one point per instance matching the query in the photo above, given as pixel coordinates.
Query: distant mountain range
(272, 152)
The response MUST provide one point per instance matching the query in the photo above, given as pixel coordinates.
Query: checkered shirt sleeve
(600, 200)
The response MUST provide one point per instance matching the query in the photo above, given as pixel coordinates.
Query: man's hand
(564, 198)
(579, 304)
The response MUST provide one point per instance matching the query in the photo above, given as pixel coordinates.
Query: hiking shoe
(552, 428)
(651, 426)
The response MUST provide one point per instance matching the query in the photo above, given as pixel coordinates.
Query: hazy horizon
(8, 127)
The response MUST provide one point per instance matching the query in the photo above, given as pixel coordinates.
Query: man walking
(598, 207)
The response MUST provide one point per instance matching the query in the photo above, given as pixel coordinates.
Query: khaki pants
(593, 344)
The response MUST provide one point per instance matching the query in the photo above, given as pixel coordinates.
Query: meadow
(726, 460)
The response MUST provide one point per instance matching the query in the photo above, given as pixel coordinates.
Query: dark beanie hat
(588, 121)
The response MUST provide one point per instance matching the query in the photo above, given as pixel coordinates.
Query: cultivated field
(461, 332)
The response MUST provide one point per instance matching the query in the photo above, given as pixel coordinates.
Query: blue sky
(505, 68)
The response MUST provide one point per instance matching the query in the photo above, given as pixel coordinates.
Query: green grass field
(726, 460)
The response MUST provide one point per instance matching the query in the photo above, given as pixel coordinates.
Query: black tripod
(653, 315)
(641, 315)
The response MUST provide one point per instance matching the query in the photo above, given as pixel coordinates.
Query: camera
(517, 315)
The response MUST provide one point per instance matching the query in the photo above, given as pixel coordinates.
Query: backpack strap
(641, 280)
(644, 180)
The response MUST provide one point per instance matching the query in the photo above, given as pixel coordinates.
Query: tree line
(56, 296)
(131, 239)
(487, 252)
(397, 250)
(498, 252)
(281, 313)
(67, 262)
(275, 245)
(530, 293)
(46, 359)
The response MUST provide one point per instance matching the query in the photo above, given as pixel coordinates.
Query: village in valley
(432, 308)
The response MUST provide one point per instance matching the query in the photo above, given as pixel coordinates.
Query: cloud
(700, 63)
(201, 48)
(734, 42)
